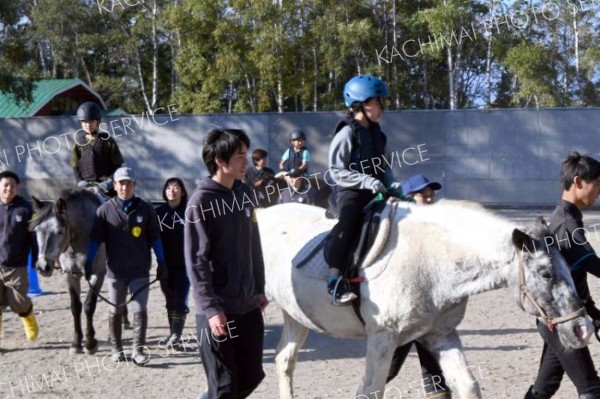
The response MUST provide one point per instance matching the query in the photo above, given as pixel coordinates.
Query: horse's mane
(461, 229)
(40, 216)
(77, 194)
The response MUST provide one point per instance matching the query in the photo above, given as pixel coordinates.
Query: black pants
(556, 360)
(345, 234)
(234, 366)
(176, 289)
(433, 377)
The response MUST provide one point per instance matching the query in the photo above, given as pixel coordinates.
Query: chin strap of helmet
(365, 114)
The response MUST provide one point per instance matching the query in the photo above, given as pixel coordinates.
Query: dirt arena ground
(500, 342)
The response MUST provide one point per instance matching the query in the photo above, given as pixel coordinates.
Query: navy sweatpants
(233, 363)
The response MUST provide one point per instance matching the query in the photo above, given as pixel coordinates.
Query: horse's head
(52, 233)
(546, 288)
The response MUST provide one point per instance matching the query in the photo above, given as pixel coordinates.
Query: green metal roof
(44, 91)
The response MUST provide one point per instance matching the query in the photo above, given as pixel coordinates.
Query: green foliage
(532, 64)
(269, 55)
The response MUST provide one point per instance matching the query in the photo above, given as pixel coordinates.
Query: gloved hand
(82, 184)
(395, 189)
(295, 172)
(88, 271)
(378, 187)
(161, 271)
(105, 185)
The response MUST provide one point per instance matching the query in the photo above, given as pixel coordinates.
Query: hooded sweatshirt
(223, 255)
(15, 239)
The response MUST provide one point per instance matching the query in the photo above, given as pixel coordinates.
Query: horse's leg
(448, 350)
(75, 292)
(89, 307)
(292, 338)
(380, 350)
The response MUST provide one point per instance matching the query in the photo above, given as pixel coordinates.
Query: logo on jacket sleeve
(139, 218)
(19, 218)
(136, 231)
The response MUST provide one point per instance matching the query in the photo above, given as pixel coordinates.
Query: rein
(79, 274)
(551, 322)
(127, 301)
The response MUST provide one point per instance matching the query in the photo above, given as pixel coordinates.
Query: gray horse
(62, 229)
(417, 279)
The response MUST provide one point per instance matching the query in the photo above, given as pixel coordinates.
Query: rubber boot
(139, 354)
(170, 317)
(115, 330)
(177, 324)
(532, 394)
(30, 325)
(126, 323)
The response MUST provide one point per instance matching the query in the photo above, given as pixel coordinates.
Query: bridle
(62, 249)
(551, 322)
(77, 273)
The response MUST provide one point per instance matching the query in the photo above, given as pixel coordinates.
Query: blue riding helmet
(362, 87)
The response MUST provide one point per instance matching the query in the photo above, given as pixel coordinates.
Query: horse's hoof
(75, 350)
(140, 358)
(92, 350)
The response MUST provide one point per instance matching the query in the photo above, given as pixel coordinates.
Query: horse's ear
(37, 204)
(522, 241)
(541, 221)
(61, 206)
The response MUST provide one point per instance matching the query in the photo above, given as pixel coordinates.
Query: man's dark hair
(11, 174)
(222, 144)
(584, 166)
(258, 154)
(184, 194)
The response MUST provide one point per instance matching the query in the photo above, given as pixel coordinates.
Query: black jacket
(569, 235)
(223, 255)
(128, 237)
(15, 239)
(170, 223)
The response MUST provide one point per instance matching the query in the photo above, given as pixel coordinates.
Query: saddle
(374, 234)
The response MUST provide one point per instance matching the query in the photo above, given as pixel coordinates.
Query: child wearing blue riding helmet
(356, 165)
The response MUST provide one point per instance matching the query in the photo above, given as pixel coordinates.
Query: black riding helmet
(297, 134)
(88, 111)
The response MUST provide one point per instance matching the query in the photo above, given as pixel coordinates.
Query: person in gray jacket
(356, 164)
(224, 263)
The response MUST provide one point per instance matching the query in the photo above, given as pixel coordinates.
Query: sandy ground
(500, 342)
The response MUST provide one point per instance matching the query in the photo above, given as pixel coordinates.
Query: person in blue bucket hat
(419, 188)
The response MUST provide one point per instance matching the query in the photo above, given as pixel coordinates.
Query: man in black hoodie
(225, 267)
(15, 243)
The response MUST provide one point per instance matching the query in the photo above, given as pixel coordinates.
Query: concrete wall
(504, 157)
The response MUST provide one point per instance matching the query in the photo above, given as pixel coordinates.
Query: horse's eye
(546, 275)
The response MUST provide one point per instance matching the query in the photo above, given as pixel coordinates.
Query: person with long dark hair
(176, 286)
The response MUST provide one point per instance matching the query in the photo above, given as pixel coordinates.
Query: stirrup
(343, 297)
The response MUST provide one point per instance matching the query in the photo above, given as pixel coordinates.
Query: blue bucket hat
(417, 183)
